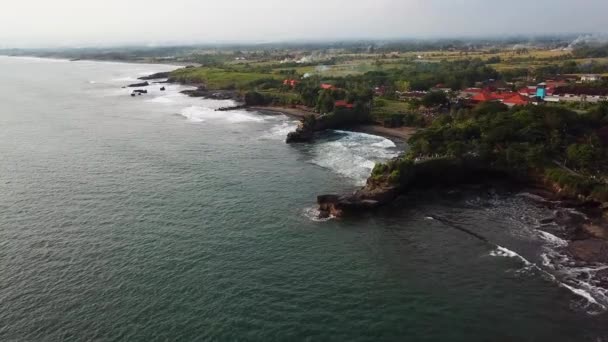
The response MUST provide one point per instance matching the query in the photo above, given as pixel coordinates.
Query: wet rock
(299, 136)
(156, 76)
(361, 201)
(547, 220)
(589, 250)
(596, 230)
(162, 89)
(135, 85)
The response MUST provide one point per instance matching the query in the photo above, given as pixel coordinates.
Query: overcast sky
(28, 23)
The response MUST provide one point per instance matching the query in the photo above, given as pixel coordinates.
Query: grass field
(215, 78)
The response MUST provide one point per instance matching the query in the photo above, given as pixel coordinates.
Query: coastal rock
(362, 200)
(589, 250)
(596, 230)
(299, 136)
(201, 91)
(135, 85)
(156, 76)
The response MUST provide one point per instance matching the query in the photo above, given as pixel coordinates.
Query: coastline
(402, 133)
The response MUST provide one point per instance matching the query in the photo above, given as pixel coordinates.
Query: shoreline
(402, 133)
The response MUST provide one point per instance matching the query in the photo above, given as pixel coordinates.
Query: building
(327, 86)
(290, 83)
(509, 98)
(343, 104)
(591, 78)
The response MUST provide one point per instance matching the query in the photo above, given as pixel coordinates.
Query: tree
(402, 85)
(434, 98)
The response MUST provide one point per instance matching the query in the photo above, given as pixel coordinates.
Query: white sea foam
(200, 114)
(552, 239)
(313, 213)
(582, 293)
(507, 253)
(280, 131)
(162, 99)
(353, 154)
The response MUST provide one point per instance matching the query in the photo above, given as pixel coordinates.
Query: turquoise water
(156, 218)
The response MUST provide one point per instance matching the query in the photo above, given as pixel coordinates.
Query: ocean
(157, 218)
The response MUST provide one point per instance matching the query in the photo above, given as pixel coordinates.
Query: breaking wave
(351, 154)
(313, 213)
(200, 114)
(280, 131)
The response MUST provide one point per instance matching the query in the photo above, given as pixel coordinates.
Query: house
(343, 104)
(591, 78)
(516, 100)
(509, 98)
(327, 86)
(290, 83)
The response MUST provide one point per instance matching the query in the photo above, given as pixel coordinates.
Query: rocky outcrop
(201, 91)
(156, 76)
(305, 131)
(363, 200)
(135, 85)
(401, 175)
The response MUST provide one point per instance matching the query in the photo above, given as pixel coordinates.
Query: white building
(591, 78)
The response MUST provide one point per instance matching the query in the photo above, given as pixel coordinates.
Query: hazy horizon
(72, 23)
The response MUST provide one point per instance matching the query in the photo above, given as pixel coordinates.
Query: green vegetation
(564, 148)
(216, 78)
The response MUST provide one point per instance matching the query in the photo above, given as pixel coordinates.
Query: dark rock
(162, 89)
(156, 76)
(132, 94)
(589, 250)
(215, 94)
(361, 201)
(140, 91)
(299, 136)
(134, 85)
(547, 220)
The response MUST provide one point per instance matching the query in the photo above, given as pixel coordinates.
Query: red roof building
(509, 98)
(343, 104)
(327, 86)
(483, 96)
(516, 100)
(290, 83)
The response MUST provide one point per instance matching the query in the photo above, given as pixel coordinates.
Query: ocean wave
(313, 213)
(507, 253)
(576, 280)
(353, 155)
(167, 99)
(200, 114)
(280, 131)
(552, 239)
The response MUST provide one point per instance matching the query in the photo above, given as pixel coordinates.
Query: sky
(76, 23)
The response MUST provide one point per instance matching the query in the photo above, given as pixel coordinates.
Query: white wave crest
(200, 114)
(353, 154)
(507, 253)
(313, 213)
(162, 99)
(552, 239)
(280, 131)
